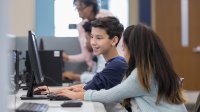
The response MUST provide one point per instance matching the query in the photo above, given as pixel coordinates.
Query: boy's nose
(92, 42)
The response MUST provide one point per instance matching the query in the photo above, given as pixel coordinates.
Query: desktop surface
(55, 106)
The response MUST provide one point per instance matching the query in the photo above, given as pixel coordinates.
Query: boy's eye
(96, 37)
(99, 37)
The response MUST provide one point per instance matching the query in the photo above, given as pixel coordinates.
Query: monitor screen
(41, 44)
(36, 69)
(14, 77)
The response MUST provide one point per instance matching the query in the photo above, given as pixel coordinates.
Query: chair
(197, 105)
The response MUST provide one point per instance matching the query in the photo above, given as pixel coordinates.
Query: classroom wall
(22, 17)
(133, 12)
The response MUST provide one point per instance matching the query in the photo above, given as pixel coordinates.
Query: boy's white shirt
(87, 76)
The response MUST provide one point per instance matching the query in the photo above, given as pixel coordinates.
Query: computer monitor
(14, 78)
(41, 44)
(34, 58)
(36, 70)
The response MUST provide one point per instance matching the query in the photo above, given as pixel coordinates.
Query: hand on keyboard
(71, 94)
(32, 107)
(41, 90)
(47, 90)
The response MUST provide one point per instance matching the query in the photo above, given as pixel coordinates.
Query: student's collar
(119, 57)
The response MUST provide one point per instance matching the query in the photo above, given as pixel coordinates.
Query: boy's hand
(47, 90)
(42, 89)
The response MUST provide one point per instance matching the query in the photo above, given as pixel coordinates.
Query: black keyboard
(32, 107)
(56, 97)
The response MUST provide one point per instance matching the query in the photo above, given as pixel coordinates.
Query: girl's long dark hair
(152, 60)
(131, 63)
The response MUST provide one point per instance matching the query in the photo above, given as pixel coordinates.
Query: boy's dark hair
(111, 25)
(93, 3)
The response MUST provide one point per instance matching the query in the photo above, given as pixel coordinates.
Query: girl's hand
(76, 88)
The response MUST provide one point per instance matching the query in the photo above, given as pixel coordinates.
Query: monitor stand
(30, 95)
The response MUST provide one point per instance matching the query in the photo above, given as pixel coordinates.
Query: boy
(99, 61)
(105, 35)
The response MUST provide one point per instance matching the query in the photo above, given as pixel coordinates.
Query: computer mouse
(71, 104)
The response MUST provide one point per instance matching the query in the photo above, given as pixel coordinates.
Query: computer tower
(52, 66)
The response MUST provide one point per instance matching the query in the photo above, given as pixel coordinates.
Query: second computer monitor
(36, 69)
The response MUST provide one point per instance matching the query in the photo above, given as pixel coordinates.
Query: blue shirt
(110, 76)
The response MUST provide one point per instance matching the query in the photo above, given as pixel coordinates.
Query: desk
(54, 106)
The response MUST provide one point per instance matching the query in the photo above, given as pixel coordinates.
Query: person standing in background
(88, 10)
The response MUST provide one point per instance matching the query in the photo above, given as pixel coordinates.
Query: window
(119, 8)
(65, 14)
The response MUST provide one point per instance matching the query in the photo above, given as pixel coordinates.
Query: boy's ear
(115, 40)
